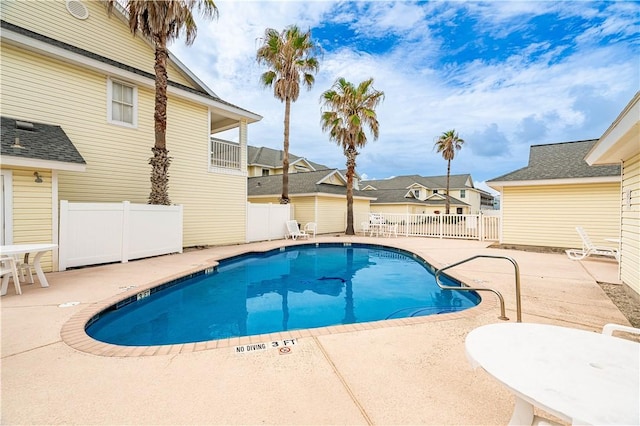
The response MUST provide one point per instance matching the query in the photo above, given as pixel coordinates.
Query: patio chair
(293, 231)
(310, 228)
(390, 230)
(589, 249)
(365, 228)
(8, 269)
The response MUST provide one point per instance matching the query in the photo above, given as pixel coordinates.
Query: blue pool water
(285, 289)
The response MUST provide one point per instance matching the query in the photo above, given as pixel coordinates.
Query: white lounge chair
(293, 231)
(589, 249)
(310, 228)
(8, 269)
(608, 329)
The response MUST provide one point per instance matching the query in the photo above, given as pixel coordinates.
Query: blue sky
(504, 74)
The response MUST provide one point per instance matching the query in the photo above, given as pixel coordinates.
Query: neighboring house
(415, 194)
(262, 161)
(86, 85)
(541, 204)
(317, 196)
(620, 144)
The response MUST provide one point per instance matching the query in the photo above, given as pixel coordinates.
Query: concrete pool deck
(412, 372)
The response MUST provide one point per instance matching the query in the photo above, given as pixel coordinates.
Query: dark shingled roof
(42, 142)
(559, 161)
(91, 55)
(431, 182)
(273, 158)
(299, 183)
(391, 196)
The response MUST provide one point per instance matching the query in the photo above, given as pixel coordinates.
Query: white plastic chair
(310, 228)
(390, 230)
(365, 228)
(8, 269)
(294, 231)
(590, 249)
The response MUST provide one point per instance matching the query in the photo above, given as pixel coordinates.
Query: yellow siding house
(542, 204)
(318, 196)
(71, 65)
(620, 144)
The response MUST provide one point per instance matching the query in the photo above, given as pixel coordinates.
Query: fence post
(124, 251)
(63, 239)
(480, 226)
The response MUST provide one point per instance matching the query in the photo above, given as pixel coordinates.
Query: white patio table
(38, 250)
(580, 376)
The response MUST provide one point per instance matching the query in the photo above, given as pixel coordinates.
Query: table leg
(522, 413)
(38, 268)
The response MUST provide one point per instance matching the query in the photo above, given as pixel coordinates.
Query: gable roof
(301, 183)
(564, 160)
(38, 145)
(399, 196)
(462, 181)
(270, 157)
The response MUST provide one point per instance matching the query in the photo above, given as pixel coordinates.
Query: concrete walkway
(387, 373)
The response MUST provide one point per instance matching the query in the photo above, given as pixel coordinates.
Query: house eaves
(46, 46)
(498, 185)
(621, 140)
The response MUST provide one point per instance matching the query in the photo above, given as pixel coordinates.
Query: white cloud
(543, 93)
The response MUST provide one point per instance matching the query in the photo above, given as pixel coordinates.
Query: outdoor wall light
(38, 178)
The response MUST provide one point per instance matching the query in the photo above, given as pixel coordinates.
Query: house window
(122, 103)
(265, 172)
(458, 210)
(416, 193)
(463, 193)
(435, 191)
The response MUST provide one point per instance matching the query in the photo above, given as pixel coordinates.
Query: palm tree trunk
(350, 153)
(160, 160)
(284, 198)
(448, 174)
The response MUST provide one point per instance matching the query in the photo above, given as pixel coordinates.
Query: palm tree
(448, 143)
(347, 108)
(289, 56)
(162, 22)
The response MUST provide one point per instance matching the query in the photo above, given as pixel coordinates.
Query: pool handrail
(496, 292)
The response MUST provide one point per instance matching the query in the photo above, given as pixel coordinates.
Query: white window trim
(133, 125)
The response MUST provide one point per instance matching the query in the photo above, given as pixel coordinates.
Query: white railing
(225, 154)
(480, 226)
(94, 233)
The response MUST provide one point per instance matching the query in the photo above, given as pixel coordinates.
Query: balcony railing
(225, 154)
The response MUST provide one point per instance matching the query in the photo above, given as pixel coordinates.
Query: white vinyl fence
(94, 233)
(267, 221)
(482, 226)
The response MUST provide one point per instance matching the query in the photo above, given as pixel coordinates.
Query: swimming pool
(297, 287)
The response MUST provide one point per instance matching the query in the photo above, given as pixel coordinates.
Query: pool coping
(74, 335)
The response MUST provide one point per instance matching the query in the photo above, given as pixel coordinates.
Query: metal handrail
(496, 292)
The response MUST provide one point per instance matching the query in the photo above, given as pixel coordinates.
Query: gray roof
(399, 196)
(38, 141)
(36, 36)
(559, 161)
(431, 182)
(299, 183)
(273, 158)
